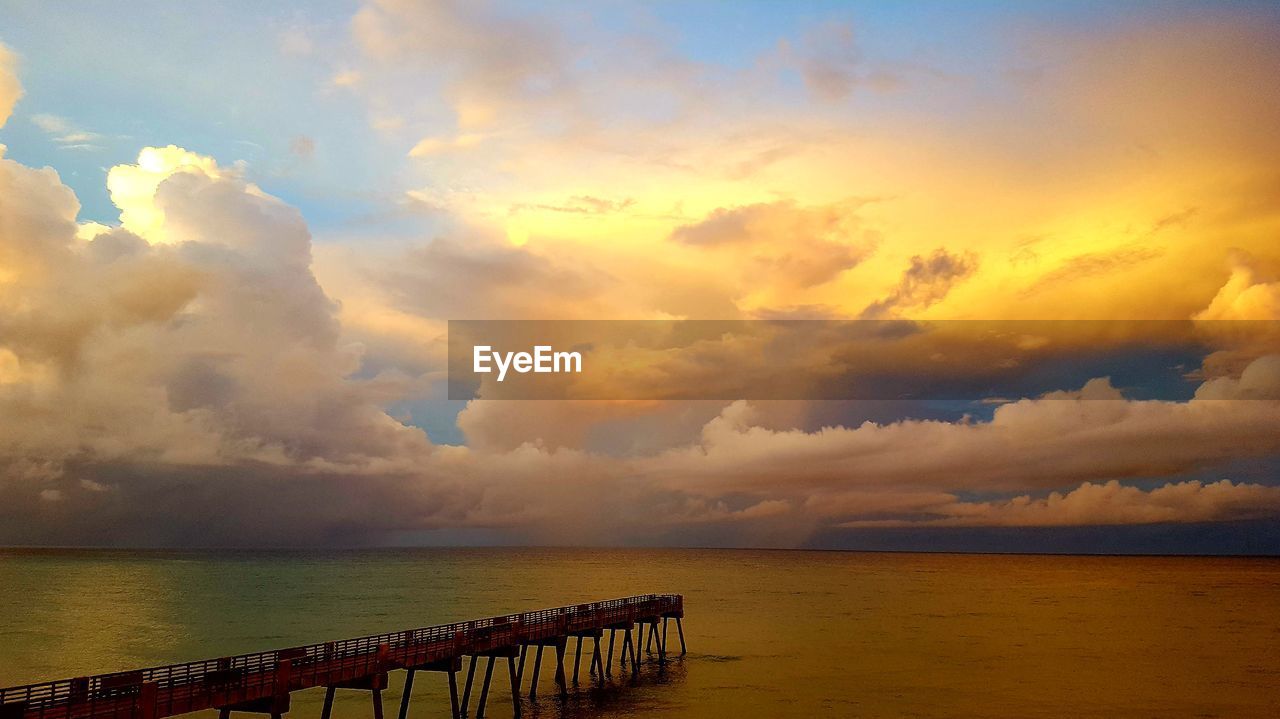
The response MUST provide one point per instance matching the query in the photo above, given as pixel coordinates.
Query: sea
(768, 633)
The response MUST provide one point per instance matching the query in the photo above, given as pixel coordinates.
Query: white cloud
(65, 133)
(1032, 443)
(194, 334)
(10, 87)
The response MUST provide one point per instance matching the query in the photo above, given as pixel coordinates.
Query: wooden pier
(263, 681)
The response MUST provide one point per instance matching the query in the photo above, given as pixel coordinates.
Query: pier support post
(597, 662)
(408, 690)
(524, 649)
(608, 661)
(466, 689)
(324, 713)
(484, 689)
(635, 663)
(680, 629)
(577, 660)
(372, 683)
(560, 680)
(537, 667)
(515, 686)
(450, 666)
(453, 694)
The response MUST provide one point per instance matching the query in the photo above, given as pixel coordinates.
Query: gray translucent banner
(969, 360)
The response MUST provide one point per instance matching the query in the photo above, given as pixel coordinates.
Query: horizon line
(838, 550)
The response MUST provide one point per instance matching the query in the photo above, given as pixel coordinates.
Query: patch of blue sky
(226, 88)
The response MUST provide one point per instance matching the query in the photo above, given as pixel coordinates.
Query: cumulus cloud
(1245, 296)
(193, 334)
(1075, 454)
(1260, 380)
(10, 87)
(1046, 443)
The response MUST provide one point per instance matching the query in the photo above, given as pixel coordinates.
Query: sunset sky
(231, 237)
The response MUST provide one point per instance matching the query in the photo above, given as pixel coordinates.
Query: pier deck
(262, 681)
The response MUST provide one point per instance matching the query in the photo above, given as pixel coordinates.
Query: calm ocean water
(771, 634)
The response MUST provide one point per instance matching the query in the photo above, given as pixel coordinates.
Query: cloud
(614, 428)
(481, 278)
(438, 145)
(1049, 152)
(192, 335)
(10, 87)
(552, 93)
(183, 378)
(492, 61)
(65, 133)
(581, 205)
(133, 188)
(1244, 297)
(1259, 381)
(785, 245)
(925, 282)
(901, 473)
(1093, 264)
(832, 65)
(1032, 443)
(1179, 84)
(1110, 503)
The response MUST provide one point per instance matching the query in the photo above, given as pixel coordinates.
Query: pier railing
(171, 689)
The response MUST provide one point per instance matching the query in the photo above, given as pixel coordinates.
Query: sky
(232, 236)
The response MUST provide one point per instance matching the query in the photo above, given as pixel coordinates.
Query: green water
(770, 634)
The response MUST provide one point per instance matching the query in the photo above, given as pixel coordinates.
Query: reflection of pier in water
(263, 681)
